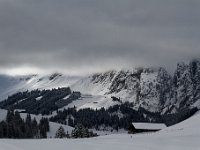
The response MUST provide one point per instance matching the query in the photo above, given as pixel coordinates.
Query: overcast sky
(85, 36)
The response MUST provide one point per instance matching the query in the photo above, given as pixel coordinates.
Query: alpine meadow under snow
(183, 136)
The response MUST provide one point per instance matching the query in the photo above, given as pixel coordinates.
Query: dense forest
(40, 102)
(117, 116)
(16, 127)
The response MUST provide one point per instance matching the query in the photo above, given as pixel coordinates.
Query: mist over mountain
(153, 89)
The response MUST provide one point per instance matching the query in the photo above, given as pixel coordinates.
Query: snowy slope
(97, 84)
(10, 85)
(115, 142)
(92, 101)
(178, 137)
(188, 127)
(54, 127)
(3, 114)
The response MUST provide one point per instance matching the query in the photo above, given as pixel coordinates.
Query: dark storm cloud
(90, 35)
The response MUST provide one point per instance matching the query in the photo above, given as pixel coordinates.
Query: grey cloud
(82, 35)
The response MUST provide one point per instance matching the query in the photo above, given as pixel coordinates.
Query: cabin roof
(149, 126)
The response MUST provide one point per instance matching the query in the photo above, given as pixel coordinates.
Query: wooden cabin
(137, 127)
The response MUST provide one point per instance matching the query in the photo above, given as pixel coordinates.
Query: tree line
(28, 100)
(79, 132)
(16, 127)
(117, 117)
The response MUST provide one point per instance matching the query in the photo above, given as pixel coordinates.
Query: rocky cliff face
(151, 88)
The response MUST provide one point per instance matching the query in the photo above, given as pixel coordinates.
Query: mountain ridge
(151, 88)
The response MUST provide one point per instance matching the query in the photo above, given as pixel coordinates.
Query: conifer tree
(60, 133)
(44, 127)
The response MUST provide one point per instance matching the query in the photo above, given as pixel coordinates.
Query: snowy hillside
(183, 136)
(186, 128)
(3, 114)
(92, 101)
(10, 85)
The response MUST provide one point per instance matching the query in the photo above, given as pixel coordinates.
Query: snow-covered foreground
(115, 142)
(183, 136)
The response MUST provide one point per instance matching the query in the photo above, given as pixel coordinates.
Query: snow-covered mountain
(151, 88)
(146, 87)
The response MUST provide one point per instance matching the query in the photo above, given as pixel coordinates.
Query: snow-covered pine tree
(81, 132)
(85, 133)
(60, 133)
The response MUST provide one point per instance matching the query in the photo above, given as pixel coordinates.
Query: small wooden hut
(145, 127)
